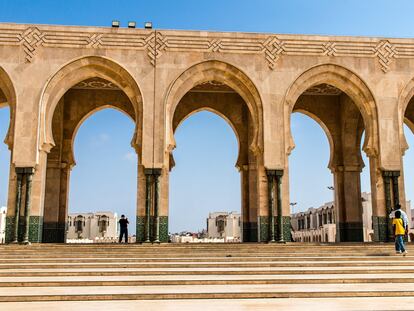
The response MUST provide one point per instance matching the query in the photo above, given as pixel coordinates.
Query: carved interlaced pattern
(272, 47)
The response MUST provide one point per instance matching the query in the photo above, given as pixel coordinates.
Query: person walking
(404, 216)
(123, 226)
(399, 232)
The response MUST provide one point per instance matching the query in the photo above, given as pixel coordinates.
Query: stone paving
(211, 277)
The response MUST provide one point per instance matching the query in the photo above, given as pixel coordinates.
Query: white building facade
(224, 225)
(3, 213)
(98, 226)
(318, 224)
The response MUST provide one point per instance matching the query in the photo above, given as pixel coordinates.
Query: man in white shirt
(403, 215)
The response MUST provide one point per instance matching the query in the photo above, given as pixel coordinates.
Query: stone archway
(342, 104)
(8, 99)
(220, 72)
(222, 88)
(76, 72)
(405, 117)
(77, 91)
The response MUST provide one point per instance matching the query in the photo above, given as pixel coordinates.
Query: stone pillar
(56, 202)
(141, 204)
(395, 188)
(391, 192)
(280, 223)
(29, 176)
(379, 209)
(19, 177)
(148, 201)
(348, 203)
(156, 177)
(271, 198)
(245, 203)
(268, 227)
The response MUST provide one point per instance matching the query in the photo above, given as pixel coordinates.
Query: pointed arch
(79, 70)
(348, 82)
(228, 74)
(404, 99)
(328, 134)
(72, 161)
(6, 86)
(225, 118)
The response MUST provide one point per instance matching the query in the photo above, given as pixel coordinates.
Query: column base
(140, 236)
(35, 229)
(250, 232)
(54, 232)
(350, 232)
(264, 229)
(380, 226)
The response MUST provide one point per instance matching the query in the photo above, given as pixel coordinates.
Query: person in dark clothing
(123, 226)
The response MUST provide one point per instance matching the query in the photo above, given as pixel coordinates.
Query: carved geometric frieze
(31, 38)
(385, 52)
(272, 48)
(156, 43)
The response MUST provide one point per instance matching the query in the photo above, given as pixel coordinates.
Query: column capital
(25, 170)
(277, 173)
(153, 171)
(391, 173)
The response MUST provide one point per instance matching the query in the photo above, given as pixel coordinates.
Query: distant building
(224, 225)
(3, 213)
(318, 224)
(99, 226)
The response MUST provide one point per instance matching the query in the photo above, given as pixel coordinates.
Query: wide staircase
(202, 271)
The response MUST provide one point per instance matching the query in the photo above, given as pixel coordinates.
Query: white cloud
(103, 137)
(130, 156)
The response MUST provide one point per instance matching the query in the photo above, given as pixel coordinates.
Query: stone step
(145, 272)
(203, 271)
(84, 293)
(291, 304)
(145, 265)
(135, 259)
(151, 280)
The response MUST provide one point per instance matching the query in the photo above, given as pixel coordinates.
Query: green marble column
(387, 175)
(19, 178)
(395, 188)
(279, 174)
(29, 176)
(271, 198)
(156, 176)
(148, 181)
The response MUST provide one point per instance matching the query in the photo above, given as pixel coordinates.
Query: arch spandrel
(80, 70)
(348, 82)
(8, 99)
(221, 72)
(405, 97)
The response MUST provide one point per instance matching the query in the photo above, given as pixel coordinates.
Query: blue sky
(205, 178)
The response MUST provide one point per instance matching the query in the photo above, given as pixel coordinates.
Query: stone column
(245, 203)
(271, 198)
(395, 188)
(56, 202)
(148, 201)
(156, 177)
(391, 198)
(18, 204)
(29, 175)
(348, 204)
(280, 225)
